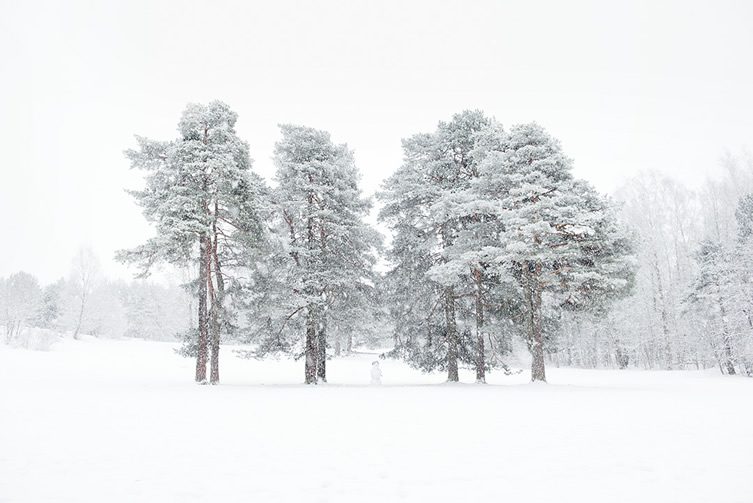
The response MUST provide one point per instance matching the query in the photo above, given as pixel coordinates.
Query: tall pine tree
(428, 205)
(557, 236)
(205, 204)
(329, 249)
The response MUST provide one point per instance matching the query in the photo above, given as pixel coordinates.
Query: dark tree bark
(310, 349)
(201, 357)
(321, 351)
(480, 357)
(218, 313)
(622, 357)
(532, 292)
(452, 335)
(321, 334)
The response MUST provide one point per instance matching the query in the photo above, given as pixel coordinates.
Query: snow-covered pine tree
(206, 205)
(464, 260)
(426, 205)
(721, 292)
(710, 291)
(559, 237)
(359, 317)
(52, 304)
(330, 249)
(743, 264)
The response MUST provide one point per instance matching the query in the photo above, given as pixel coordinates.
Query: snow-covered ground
(121, 421)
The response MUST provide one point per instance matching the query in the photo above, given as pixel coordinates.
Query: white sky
(626, 87)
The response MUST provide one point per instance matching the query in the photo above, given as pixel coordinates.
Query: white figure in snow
(376, 373)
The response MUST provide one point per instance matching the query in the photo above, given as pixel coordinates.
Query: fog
(626, 88)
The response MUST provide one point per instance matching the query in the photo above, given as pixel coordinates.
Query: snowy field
(122, 421)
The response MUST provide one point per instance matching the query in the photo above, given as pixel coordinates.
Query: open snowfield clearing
(122, 421)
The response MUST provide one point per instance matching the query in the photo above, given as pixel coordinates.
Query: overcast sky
(626, 87)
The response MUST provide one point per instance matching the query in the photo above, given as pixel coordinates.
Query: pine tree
(465, 262)
(710, 290)
(52, 304)
(743, 267)
(329, 249)
(206, 205)
(428, 205)
(557, 235)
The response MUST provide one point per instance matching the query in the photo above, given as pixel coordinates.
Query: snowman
(376, 373)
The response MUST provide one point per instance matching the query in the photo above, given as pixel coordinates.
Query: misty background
(630, 87)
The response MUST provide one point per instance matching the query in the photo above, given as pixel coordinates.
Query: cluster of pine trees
(492, 241)
(492, 237)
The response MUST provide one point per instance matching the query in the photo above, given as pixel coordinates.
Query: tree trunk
(535, 333)
(218, 311)
(201, 357)
(80, 314)
(321, 351)
(452, 335)
(310, 349)
(311, 346)
(622, 357)
(729, 360)
(480, 357)
(664, 316)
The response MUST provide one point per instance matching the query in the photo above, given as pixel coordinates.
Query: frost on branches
(492, 226)
(203, 200)
(322, 283)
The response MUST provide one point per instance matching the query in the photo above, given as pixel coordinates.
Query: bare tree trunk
(535, 329)
(218, 311)
(663, 314)
(310, 349)
(86, 270)
(729, 360)
(480, 357)
(311, 346)
(452, 335)
(321, 351)
(321, 333)
(201, 357)
(622, 357)
(80, 316)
